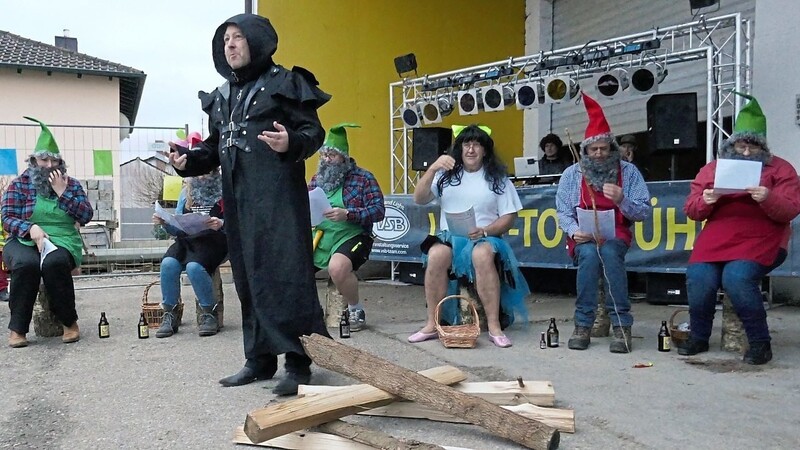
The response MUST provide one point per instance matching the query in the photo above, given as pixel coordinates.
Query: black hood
(261, 39)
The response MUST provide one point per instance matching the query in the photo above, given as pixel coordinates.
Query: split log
(540, 393)
(374, 438)
(734, 339)
(334, 305)
(296, 414)
(305, 440)
(404, 383)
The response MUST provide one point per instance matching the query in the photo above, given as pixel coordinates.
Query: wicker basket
(153, 311)
(678, 337)
(458, 336)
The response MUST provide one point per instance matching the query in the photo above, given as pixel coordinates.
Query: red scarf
(622, 226)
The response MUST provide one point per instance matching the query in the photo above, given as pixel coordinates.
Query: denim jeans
(171, 270)
(741, 280)
(591, 268)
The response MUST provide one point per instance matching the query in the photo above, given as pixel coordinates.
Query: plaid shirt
(362, 197)
(20, 199)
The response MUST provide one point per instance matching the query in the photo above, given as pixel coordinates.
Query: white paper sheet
(188, 223)
(734, 175)
(47, 248)
(461, 223)
(605, 219)
(319, 204)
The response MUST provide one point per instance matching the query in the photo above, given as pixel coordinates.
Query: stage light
(412, 116)
(558, 89)
(433, 110)
(528, 94)
(496, 98)
(645, 79)
(469, 102)
(611, 83)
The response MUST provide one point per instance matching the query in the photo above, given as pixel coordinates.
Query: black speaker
(672, 122)
(428, 144)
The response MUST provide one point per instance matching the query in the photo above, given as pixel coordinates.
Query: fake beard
(330, 177)
(205, 191)
(41, 178)
(600, 172)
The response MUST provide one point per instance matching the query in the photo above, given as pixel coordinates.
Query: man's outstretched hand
(277, 140)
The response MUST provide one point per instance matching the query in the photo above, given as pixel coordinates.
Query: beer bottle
(344, 325)
(663, 338)
(102, 327)
(552, 333)
(144, 332)
(542, 341)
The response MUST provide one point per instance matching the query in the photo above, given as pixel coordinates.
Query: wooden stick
(402, 382)
(371, 437)
(310, 440)
(280, 418)
(540, 393)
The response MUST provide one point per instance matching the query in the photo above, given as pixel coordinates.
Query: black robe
(267, 219)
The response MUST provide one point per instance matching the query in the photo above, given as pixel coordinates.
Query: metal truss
(724, 42)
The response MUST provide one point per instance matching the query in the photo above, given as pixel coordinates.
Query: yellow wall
(350, 45)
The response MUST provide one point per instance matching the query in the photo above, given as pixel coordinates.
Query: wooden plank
(375, 438)
(310, 440)
(281, 418)
(540, 393)
(378, 372)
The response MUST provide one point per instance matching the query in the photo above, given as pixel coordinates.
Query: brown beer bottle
(542, 341)
(102, 328)
(552, 333)
(663, 337)
(144, 332)
(344, 325)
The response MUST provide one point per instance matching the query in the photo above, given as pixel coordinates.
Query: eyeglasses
(750, 148)
(471, 144)
(598, 150)
(329, 155)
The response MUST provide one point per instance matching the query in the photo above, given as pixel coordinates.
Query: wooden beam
(540, 393)
(404, 383)
(310, 440)
(375, 438)
(280, 418)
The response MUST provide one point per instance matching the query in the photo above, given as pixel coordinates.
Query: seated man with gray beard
(43, 204)
(601, 181)
(343, 240)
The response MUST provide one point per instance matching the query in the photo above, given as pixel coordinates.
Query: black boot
(289, 384)
(758, 353)
(693, 347)
(253, 370)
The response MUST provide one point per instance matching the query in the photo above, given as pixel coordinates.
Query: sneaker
(580, 338)
(693, 347)
(4, 295)
(358, 319)
(758, 353)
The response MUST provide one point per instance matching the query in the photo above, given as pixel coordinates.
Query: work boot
(693, 347)
(758, 353)
(621, 342)
(209, 325)
(71, 334)
(580, 338)
(290, 383)
(252, 371)
(169, 322)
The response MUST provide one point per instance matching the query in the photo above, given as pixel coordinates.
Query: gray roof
(20, 53)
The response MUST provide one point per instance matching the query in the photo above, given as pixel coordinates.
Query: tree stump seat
(219, 296)
(45, 323)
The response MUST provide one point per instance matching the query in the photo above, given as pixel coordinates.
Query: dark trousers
(23, 263)
(295, 363)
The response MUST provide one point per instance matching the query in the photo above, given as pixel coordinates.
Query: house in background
(95, 100)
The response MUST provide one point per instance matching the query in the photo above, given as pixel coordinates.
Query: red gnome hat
(598, 127)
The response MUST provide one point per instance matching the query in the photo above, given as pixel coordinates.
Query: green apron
(58, 225)
(334, 233)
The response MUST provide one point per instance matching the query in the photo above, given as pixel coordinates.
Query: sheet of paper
(188, 223)
(47, 248)
(461, 223)
(605, 220)
(734, 175)
(319, 204)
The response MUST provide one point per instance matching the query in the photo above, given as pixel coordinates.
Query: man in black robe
(263, 124)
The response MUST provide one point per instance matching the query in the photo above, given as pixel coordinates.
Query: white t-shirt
(474, 191)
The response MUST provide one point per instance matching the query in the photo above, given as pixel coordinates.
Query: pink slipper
(419, 336)
(501, 341)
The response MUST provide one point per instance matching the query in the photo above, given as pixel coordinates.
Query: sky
(169, 40)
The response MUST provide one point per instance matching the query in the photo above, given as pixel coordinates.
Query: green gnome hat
(46, 145)
(337, 138)
(751, 118)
